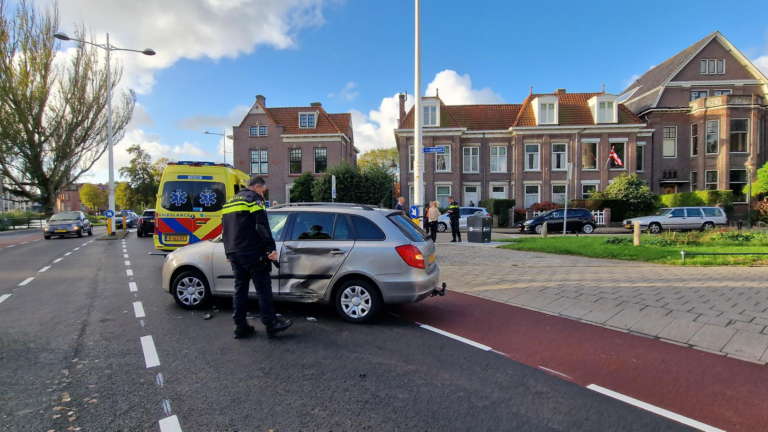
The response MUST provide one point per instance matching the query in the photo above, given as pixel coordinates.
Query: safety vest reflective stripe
(453, 207)
(241, 206)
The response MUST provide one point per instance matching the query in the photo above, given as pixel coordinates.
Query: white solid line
(68, 254)
(150, 353)
(57, 260)
(125, 255)
(138, 310)
(554, 372)
(170, 424)
(127, 263)
(43, 269)
(654, 409)
(132, 286)
(3, 297)
(458, 338)
(129, 272)
(26, 281)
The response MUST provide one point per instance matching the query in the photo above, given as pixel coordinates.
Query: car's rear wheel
(442, 227)
(708, 226)
(654, 228)
(357, 301)
(587, 229)
(190, 290)
(139, 233)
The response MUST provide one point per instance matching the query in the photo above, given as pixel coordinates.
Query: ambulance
(189, 202)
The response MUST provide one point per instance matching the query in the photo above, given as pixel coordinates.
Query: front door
(471, 195)
(676, 219)
(668, 189)
(313, 252)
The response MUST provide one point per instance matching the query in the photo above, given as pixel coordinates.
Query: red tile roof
(342, 121)
(288, 117)
(573, 110)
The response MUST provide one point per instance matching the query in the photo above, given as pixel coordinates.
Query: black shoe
(453, 241)
(243, 331)
(279, 324)
(459, 239)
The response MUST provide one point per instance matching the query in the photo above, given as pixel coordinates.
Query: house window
(259, 162)
(498, 159)
(713, 136)
(587, 190)
(704, 67)
(411, 194)
(694, 181)
(443, 160)
(531, 195)
(721, 66)
(321, 160)
(710, 180)
(69, 196)
(669, 147)
(547, 113)
(605, 112)
(695, 139)
(712, 66)
(698, 94)
(471, 159)
(253, 131)
(739, 132)
(532, 157)
(294, 156)
(442, 193)
(738, 180)
(430, 116)
(558, 157)
(721, 92)
(499, 192)
(306, 120)
(262, 130)
(558, 194)
(411, 158)
(640, 167)
(589, 155)
(621, 151)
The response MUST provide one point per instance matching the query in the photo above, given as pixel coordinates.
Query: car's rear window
(409, 228)
(366, 230)
(193, 196)
(148, 213)
(712, 212)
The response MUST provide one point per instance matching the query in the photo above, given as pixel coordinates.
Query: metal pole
(224, 145)
(749, 197)
(567, 180)
(109, 137)
(2, 198)
(418, 150)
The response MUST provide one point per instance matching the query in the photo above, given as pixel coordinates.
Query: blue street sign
(434, 149)
(414, 212)
(109, 213)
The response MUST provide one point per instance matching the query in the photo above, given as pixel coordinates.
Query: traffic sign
(434, 149)
(333, 186)
(109, 213)
(414, 211)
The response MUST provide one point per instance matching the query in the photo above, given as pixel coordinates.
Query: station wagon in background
(680, 219)
(444, 222)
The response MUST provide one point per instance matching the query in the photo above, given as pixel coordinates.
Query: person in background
(400, 202)
(454, 212)
(274, 203)
(425, 220)
(434, 215)
(471, 203)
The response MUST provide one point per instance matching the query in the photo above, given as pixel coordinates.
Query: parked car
(680, 218)
(146, 224)
(131, 219)
(579, 220)
(68, 223)
(356, 257)
(444, 222)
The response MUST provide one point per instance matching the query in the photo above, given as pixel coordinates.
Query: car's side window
(556, 215)
(277, 222)
(366, 230)
(693, 212)
(341, 231)
(677, 213)
(313, 226)
(712, 212)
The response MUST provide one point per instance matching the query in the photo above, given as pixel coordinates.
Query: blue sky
(485, 51)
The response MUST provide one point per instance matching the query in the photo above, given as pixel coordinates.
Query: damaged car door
(317, 246)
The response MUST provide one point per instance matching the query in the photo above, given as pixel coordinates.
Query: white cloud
(214, 123)
(348, 93)
(631, 80)
(762, 64)
(455, 89)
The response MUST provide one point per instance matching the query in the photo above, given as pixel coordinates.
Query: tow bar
(438, 292)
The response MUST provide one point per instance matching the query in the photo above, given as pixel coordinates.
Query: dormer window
(545, 109)
(604, 108)
(430, 116)
(546, 113)
(307, 120)
(606, 112)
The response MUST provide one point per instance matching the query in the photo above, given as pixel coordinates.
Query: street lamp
(108, 48)
(224, 147)
(393, 167)
(750, 165)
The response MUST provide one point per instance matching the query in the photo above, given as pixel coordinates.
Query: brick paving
(723, 310)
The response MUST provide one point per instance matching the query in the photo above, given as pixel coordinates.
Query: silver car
(355, 257)
(680, 218)
(444, 221)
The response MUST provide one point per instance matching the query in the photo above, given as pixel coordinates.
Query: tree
(633, 190)
(159, 167)
(302, 188)
(377, 158)
(93, 196)
(760, 185)
(371, 187)
(123, 195)
(53, 116)
(141, 176)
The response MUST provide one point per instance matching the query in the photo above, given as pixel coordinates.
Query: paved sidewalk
(722, 310)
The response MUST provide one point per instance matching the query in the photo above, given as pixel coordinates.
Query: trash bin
(479, 229)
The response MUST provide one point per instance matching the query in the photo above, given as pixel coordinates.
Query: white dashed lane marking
(129, 272)
(57, 260)
(170, 424)
(132, 286)
(11, 246)
(150, 353)
(3, 297)
(25, 242)
(43, 269)
(77, 248)
(138, 310)
(68, 254)
(127, 263)
(26, 281)
(125, 255)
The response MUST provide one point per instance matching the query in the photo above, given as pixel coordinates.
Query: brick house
(280, 144)
(707, 108)
(520, 151)
(69, 199)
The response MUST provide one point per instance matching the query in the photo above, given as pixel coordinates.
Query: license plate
(151, 220)
(60, 231)
(432, 258)
(176, 238)
(627, 226)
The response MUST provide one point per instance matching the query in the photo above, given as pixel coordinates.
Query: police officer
(250, 249)
(454, 213)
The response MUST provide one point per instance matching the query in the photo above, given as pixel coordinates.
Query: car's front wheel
(537, 229)
(357, 301)
(442, 227)
(190, 290)
(90, 231)
(80, 233)
(47, 237)
(587, 229)
(654, 228)
(139, 233)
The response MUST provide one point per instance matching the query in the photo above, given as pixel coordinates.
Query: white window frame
(263, 158)
(606, 114)
(698, 94)
(411, 158)
(597, 155)
(538, 159)
(500, 159)
(446, 155)
(722, 92)
(471, 157)
(707, 183)
(411, 194)
(250, 131)
(265, 130)
(719, 61)
(430, 116)
(552, 192)
(664, 138)
(730, 132)
(640, 159)
(694, 184)
(706, 136)
(314, 120)
(437, 196)
(595, 183)
(549, 110)
(560, 153)
(623, 158)
(492, 185)
(526, 194)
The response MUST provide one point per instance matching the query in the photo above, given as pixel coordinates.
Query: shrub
(633, 192)
(499, 207)
(711, 198)
(373, 186)
(618, 240)
(520, 215)
(761, 211)
(302, 188)
(544, 206)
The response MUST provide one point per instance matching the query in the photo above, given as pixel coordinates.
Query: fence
(21, 223)
(598, 214)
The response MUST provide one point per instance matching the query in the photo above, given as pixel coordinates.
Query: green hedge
(697, 198)
(499, 207)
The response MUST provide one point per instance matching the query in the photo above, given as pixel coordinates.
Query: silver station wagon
(680, 218)
(355, 257)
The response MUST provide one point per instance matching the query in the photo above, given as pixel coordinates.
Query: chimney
(402, 109)
(261, 99)
(560, 91)
(316, 104)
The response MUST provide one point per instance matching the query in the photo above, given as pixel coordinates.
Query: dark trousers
(246, 268)
(455, 229)
(433, 231)
(427, 225)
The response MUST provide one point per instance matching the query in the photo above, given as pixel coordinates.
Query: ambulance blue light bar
(197, 163)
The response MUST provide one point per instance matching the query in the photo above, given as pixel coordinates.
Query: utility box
(479, 229)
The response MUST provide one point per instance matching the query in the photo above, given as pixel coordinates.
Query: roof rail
(324, 204)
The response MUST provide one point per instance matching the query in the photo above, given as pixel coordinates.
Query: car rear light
(141, 220)
(411, 255)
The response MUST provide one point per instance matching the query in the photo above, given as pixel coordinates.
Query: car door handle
(337, 252)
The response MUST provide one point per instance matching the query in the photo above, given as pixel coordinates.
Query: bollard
(109, 226)
(544, 230)
(637, 233)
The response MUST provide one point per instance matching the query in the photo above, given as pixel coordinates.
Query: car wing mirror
(669, 215)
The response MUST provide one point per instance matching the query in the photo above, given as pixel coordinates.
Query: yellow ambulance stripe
(207, 228)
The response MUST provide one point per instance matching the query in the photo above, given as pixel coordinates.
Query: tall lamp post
(108, 48)
(224, 147)
(393, 167)
(750, 165)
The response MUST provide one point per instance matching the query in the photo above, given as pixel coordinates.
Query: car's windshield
(663, 212)
(409, 228)
(65, 216)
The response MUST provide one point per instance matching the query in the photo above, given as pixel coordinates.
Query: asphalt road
(75, 352)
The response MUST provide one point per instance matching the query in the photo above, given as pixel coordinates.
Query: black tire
(708, 226)
(47, 237)
(442, 227)
(343, 296)
(654, 228)
(139, 233)
(588, 228)
(80, 233)
(90, 231)
(537, 229)
(190, 301)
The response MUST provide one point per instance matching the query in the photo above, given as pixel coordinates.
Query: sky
(214, 56)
